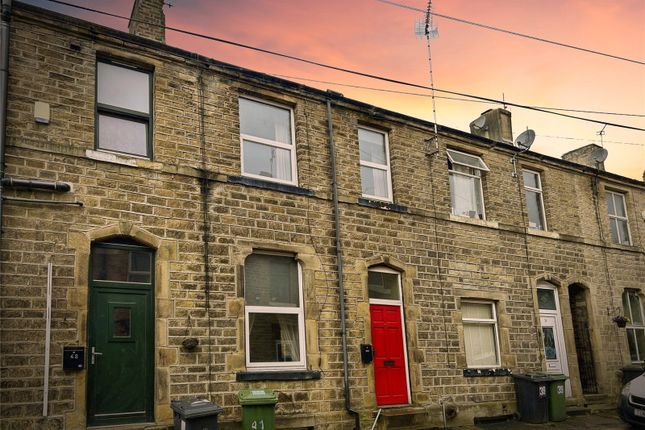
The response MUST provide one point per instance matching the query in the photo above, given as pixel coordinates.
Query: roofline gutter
(339, 264)
(4, 78)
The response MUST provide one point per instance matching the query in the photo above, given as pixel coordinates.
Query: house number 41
(257, 425)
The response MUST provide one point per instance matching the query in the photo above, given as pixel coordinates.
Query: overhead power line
(515, 33)
(409, 93)
(341, 69)
(592, 140)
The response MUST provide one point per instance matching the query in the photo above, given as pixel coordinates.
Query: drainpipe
(35, 184)
(339, 259)
(4, 66)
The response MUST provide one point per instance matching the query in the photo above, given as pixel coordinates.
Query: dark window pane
(271, 280)
(267, 160)
(546, 299)
(623, 231)
(372, 146)
(635, 305)
(123, 88)
(549, 343)
(374, 182)
(383, 285)
(619, 203)
(123, 135)
(631, 338)
(121, 319)
(265, 121)
(531, 179)
(613, 226)
(120, 265)
(273, 338)
(640, 343)
(534, 208)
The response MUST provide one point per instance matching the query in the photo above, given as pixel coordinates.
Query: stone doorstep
(406, 417)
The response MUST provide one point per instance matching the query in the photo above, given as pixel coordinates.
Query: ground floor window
(480, 333)
(274, 317)
(636, 326)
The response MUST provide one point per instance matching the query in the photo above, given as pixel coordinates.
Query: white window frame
(281, 310)
(476, 168)
(539, 192)
(115, 111)
(483, 321)
(291, 148)
(378, 166)
(614, 218)
(640, 355)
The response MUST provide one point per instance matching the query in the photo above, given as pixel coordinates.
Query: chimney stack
(494, 124)
(591, 155)
(147, 20)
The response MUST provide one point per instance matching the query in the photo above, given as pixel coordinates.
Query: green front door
(120, 335)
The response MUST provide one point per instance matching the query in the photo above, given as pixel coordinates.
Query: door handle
(94, 354)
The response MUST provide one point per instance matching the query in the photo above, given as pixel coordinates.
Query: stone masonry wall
(442, 259)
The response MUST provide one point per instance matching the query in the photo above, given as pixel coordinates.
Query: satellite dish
(525, 140)
(599, 155)
(479, 123)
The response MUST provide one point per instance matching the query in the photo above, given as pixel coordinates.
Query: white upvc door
(555, 352)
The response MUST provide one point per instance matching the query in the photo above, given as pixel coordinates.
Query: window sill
(281, 375)
(495, 371)
(268, 185)
(473, 221)
(379, 204)
(626, 247)
(122, 159)
(542, 233)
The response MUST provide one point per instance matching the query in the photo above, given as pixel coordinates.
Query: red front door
(389, 357)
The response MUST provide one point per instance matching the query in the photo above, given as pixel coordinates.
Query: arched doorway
(120, 385)
(580, 322)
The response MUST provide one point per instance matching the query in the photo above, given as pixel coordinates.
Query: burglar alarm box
(367, 353)
(73, 357)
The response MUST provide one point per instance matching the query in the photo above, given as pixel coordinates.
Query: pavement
(600, 421)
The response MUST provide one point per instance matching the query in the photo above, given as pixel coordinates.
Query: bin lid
(533, 377)
(195, 408)
(258, 397)
(557, 377)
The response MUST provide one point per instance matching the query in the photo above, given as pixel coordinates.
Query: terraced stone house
(176, 227)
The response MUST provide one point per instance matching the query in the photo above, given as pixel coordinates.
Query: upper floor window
(480, 333)
(376, 181)
(618, 222)
(123, 106)
(636, 326)
(465, 171)
(534, 200)
(274, 317)
(266, 135)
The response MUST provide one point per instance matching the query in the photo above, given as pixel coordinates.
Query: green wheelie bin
(258, 409)
(557, 405)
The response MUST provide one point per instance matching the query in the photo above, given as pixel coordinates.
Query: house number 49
(257, 425)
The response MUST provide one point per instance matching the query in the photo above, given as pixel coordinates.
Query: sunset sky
(377, 38)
